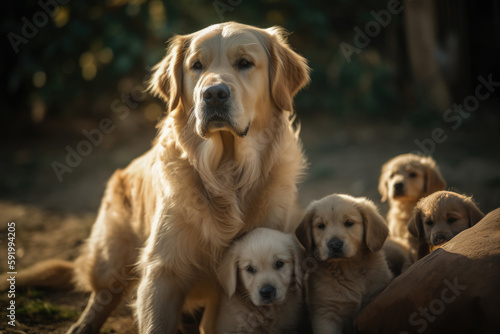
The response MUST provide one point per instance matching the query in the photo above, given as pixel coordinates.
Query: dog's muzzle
(335, 248)
(216, 110)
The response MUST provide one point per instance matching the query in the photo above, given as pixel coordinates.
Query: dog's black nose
(439, 239)
(216, 95)
(268, 292)
(335, 245)
(398, 186)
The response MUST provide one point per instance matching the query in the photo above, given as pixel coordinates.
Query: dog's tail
(50, 274)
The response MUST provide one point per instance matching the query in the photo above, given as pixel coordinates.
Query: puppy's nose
(439, 239)
(398, 186)
(335, 245)
(268, 292)
(216, 95)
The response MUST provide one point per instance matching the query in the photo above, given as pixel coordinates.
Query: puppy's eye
(197, 66)
(279, 264)
(412, 174)
(321, 226)
(451, 220)
(429, 223)
(348, 224)
(244, 64)
(392, 175)
(251, 270)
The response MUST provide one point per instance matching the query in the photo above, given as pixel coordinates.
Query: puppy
(344, 235)
(403, 181)
(439, 217)
(262, 279)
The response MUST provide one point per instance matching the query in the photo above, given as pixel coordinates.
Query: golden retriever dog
(439, 217)
(226, 160)
(403, 181)
(344, 235)
(262, 278)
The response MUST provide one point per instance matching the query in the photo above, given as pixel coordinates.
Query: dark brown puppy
(439, 217)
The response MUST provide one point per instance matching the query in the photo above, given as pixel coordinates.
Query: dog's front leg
(159, 302)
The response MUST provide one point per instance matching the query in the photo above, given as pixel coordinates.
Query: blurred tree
(75, 57)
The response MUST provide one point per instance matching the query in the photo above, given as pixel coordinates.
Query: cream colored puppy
(344, 235)
(262, 279)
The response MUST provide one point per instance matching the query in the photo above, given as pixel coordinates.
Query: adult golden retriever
(262, 278)
(344, 235)
(226, 160)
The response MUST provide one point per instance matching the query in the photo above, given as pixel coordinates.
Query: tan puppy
(439, 217)
(403, 181)
(344, 235)
(262, 278)
(226, 160)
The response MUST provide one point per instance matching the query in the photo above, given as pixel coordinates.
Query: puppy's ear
(434, 181)
(288, 70)
(304, 231)
(415, 225)
(475, 215)
(376, 230)
(382, 182)
(228, 271)
(167, 78)
(297, 261)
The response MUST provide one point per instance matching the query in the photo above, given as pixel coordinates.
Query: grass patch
(32, 309)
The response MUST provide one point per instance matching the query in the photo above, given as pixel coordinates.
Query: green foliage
(89, 47)
(31, 308)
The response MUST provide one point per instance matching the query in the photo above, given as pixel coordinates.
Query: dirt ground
(53, 218)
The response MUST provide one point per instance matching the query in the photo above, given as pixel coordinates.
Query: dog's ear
(304, 231)
(382, 182)
(227, 272)
(288, 71)
(475, 215)
(415, 224)
(167, 78)
(376, 230)
(297, 261)
(434, 181)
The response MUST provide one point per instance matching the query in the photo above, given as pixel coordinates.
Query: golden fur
(403, 181)
(215, 172)
(262, 278)
(439, 217)
(344, 235)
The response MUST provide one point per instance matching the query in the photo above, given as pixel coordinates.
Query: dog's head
(341, 227)
(440, 216)
(409, 177)
(228, 76)
(263, 265)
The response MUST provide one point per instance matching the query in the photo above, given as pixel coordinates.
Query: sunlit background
(67, 65)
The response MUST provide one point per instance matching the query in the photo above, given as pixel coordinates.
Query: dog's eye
(412, 174)
(348, 224)
(244, 64)
(251, 270)
(429, 223)
(321, 226)
(197, 66)
(451, 220)
(279, 264)
(392, 175)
